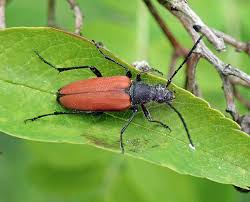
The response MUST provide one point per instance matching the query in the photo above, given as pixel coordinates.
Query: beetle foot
(32, 119)
(122, 148)
(167, 127)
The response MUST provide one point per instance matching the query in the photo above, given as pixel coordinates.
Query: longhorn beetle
(115, 93)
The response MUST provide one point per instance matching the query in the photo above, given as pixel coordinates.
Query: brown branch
(191, 83)
(181, 51)
(237, 94)
(239, 45)
(238, 82)
(189, 18)
(2, 14)
(172, 64)
(229, 95)
(244, 121)
(241, 99)
(222, 67)
(51, 13)
(78, 16)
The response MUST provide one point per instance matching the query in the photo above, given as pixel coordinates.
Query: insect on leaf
(28, 88)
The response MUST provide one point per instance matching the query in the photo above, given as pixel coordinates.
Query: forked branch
(227, 72)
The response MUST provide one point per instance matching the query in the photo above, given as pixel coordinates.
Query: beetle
(115, 93)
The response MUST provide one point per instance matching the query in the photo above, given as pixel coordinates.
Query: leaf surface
(28, 88)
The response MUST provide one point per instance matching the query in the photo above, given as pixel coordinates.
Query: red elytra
(97, 94)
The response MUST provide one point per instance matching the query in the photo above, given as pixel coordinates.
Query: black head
(162, 94)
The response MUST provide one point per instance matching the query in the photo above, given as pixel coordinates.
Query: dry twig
(78, 16)
(191, 83)
(239, 45)
(2, 14)
(237, 82)
(244, 121)
(230, 75)
(77, 13)
(51, 13)
(241, 99)
(188, 18)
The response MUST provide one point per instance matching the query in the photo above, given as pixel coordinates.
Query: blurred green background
(31, 171)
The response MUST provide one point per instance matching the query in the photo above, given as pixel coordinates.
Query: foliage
(220, 146)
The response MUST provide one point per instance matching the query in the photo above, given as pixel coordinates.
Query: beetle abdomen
(97, 94)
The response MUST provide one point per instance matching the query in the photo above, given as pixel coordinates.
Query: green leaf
(28, 88)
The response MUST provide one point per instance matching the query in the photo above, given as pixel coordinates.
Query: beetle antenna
(185, 60)
(191, 144)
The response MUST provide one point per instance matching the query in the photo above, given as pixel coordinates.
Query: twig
(221, 67)
(241, 99)
(2, 14)
(244, 121)
(191, 84)
(239, 45)
(172, 65)
(181, 51)
(188, 18)
(51, 13)
(78, 16)
(236, 81)
(228, 92)
(237, 94)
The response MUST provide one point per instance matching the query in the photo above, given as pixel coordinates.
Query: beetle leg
(45, 61)
(138, 77)
(135, 110)
(128, 72)
(60, 113)
(149, 118)
(92, 68)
